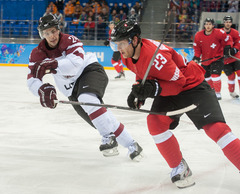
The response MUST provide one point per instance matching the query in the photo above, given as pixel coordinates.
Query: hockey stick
(234, 57)
(170, 113)
(156, 51)
(210, 59)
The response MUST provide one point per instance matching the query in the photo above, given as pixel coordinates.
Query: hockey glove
(196, 59)
(133, 102)
(44, 67)
(226, 51)
(151, 88)
(47, 95)
(233, 51)
(106, 42)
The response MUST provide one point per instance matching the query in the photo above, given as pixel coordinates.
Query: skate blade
(187, 182)
(110, 152)
(138, 158)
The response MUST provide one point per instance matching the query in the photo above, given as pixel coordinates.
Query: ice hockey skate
(182, 175)
(234, 95)
(135, 152)
(109, 145)
(120, 75)
(219, 96)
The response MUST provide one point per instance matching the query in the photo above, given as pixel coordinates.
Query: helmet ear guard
(47, 21)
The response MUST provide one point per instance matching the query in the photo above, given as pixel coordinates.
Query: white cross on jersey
(213, 45)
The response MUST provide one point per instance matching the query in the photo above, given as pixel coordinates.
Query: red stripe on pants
(119, 130)
(97, 113)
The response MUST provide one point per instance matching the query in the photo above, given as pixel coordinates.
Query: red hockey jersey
(210, 46)
(235, 36)
(171, 70)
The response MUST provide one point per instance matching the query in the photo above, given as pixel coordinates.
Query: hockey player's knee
(216, 130)
(158, 123)
(90, 98)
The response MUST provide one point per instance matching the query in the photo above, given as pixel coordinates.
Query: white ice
(45, 151)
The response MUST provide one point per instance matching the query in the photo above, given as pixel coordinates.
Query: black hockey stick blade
(170, 113)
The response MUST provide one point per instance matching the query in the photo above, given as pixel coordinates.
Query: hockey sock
(238, 77)
(209, 81)
(227, 141)
(104, 121)
(216, 79)
(164, 139)
(117, 65)
(231, 82)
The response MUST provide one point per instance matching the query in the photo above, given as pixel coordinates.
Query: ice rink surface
(44, 151)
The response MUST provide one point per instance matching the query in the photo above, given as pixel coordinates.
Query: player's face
(125, 48)
(208, 26)
(227, 24)
(52, 36)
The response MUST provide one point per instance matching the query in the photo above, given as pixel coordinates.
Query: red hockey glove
(47, 95)
(151, 88)
(133, 102)
(44, 67)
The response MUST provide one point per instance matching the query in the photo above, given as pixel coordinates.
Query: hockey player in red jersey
(174, 84)
(116, 58)
(79, 77)
(231, 65)
(211, 43)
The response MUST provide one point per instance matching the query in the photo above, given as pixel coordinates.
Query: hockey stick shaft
(156, 51)
(170, 113)
(210, 59)
(235, 58)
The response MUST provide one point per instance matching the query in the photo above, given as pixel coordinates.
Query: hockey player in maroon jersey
(231, 65)
(79, 77)
(211, 43)
(174, 84)
(116, 58)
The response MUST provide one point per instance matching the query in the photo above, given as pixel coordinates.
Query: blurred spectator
(92, 15)
(115, 7)
(137, 7)
(194, 13)
(113, 15)
(182, 30)
(60, 5)
(175, 11)
(77, 10)
(89, 28)
(48, 11)
(52, 7)
(125, 8)
(105, 5)
(69, 9)
(87, 8)
(62, 23)
(224, 6)
(133, 15)
(233, 6)
(104, 14)
(101, 28)
(183, 15)
(83, 18)
(117, 19)
(122, 15)
(96, 8)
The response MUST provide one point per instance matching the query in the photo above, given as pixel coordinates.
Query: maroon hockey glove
(44, 67)
(133, 103)
(47, 95)
(151, 88)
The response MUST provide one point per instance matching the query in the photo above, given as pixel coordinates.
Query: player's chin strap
(134, 47)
